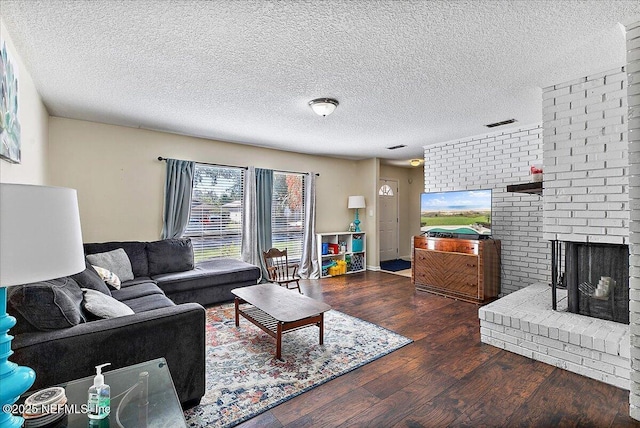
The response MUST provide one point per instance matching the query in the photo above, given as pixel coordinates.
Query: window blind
(215, 220)
(287, 213)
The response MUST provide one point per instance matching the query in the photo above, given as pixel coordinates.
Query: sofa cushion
(49, 305)
(110, 278)
(169, 255)
(148, 303)
(136, 251)
(117, 261)
(22, 325)
(138, 290)
(103, 306)
(207, 274)
(90, 279)
(135, 281)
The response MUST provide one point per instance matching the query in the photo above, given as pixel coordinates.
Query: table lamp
(356, 202)
(40, 239)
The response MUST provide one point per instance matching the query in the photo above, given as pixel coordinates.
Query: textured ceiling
(404, 72)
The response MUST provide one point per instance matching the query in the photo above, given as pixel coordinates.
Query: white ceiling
(404, 72)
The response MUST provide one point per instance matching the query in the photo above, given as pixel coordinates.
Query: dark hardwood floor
(446, 377)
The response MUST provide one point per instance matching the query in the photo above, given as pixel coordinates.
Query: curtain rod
(160, 158)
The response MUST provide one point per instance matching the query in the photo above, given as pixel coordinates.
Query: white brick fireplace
(524, 323)
(589, 144)
(586, 200)
(591, 153)
(586, 160)
(633, 96)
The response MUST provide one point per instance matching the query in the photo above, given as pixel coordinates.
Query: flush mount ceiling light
(323, 106)
(415, 162)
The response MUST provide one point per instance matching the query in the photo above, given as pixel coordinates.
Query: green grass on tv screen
(454, 220)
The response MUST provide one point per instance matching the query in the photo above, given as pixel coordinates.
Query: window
(385, 190)
(287, 213)
(215, 220)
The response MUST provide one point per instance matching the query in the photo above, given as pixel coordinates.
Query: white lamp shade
(356, 202)
(40, 234)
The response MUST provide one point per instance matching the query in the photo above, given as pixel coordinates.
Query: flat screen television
(463, 213)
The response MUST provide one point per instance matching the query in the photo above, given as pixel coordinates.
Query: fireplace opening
(596, 277)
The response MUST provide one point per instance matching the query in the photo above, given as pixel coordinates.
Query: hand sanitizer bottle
(99, 401)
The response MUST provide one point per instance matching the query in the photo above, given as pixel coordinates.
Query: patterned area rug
(244, 379)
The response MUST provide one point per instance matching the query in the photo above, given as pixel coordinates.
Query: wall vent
(504, 122)
(399, 146)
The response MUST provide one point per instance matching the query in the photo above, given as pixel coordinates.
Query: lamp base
(14, 379)
(357, 222)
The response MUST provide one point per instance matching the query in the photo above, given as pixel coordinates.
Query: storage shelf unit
(351, 249)
(533, 188)
(464, 269)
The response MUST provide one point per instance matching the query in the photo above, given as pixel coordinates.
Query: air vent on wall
(504, 122)
(399, 146)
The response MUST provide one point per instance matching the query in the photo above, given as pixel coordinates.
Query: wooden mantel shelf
(533, 188)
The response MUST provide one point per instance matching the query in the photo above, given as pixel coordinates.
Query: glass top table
(142, 396)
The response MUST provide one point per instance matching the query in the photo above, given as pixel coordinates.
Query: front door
(388, 221)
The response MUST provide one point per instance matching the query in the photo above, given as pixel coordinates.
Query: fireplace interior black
(596, 277)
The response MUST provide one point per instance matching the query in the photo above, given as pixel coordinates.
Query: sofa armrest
(176, 333)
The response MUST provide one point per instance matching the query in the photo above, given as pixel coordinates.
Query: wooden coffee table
(277, 310)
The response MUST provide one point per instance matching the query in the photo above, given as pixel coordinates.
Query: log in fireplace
(596, 277)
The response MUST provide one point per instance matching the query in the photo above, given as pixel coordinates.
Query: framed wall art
(9, 124)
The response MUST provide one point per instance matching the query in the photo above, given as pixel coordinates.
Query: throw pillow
(48, 305)
(170, 255)
(109, 277)
(89, 278)
(116, 261)
(103, 306)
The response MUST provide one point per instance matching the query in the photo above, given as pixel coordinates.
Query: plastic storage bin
(339, 269)
(325, 248)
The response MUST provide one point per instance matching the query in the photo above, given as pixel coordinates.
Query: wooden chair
(280, 271)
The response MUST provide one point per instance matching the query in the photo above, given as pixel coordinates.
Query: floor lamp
(40, 239)
(356, 202)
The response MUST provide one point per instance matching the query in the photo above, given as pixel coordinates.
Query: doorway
(388, 225)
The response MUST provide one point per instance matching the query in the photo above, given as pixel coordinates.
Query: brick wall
(586, 159)
(524, 323)
(493, 161)
(633, 97)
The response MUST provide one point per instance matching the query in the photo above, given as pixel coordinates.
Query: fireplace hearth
(596, 277)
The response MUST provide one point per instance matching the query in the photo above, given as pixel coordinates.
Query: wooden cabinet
(341, 253)
(465, 269)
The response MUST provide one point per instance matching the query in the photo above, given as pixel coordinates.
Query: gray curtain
(264, 197)
(250, 253)
(177, 198)
(309, 266)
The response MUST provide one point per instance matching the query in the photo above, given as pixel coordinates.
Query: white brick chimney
(633, 97)
(585, 158)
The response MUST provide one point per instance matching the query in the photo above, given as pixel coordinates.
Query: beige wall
(120, 182)
(33, 118)
(416, 188)
(410, 185)
(367, 178)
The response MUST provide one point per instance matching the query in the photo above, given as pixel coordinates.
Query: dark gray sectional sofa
(165, 262)
(57, 337)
